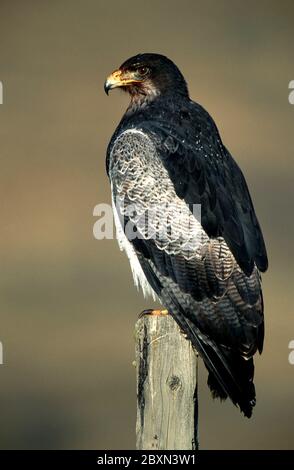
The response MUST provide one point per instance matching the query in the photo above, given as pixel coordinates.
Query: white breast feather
(124, 245)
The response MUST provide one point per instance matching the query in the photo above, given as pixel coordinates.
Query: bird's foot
(151, 311)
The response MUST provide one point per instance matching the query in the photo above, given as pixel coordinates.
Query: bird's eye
(143, 71)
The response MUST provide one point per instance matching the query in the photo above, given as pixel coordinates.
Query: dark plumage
(167, 149)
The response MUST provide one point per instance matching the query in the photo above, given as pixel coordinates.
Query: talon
(151, 311)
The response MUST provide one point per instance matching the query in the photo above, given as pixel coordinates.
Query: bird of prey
(166, 157)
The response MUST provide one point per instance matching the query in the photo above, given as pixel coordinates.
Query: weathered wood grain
(166, 364)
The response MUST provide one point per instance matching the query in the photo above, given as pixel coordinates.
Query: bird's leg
(151, 311)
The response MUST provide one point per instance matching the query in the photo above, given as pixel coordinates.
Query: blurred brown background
(68, 305)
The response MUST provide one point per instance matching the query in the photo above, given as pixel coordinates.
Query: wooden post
(167, 407)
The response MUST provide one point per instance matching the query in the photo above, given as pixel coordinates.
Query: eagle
(165, 158)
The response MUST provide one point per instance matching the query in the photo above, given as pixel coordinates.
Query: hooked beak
(119, 79)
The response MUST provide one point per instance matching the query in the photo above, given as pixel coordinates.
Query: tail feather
(230, 375)
(242, 390)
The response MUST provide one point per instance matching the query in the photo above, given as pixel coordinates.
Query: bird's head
(147, 75)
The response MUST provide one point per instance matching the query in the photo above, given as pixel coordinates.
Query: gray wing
(196, 277)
